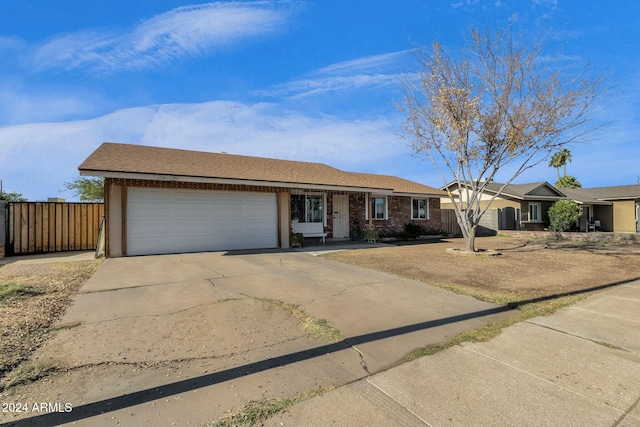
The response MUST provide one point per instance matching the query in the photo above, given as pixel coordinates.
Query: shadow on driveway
(151, 394)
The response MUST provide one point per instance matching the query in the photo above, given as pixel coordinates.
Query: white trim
(179, 178)
(539, 205)
(314, 193)
(422, 195)
(366, 207)
(386, 207)
(324, 210)
(426, 208)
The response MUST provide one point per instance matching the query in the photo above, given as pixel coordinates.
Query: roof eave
(546, 198)
(232, 181)
(432, 195)
(589, 202)
(613, 199)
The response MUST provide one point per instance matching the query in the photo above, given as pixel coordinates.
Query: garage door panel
(177, 220)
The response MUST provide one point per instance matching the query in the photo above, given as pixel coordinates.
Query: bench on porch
(309, 229)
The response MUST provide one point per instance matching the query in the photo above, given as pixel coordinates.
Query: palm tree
(555, 163)
(560, 159)
(568, 181)
(564, 156)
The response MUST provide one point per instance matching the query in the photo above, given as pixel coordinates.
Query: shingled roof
(619, 192)
(531, 191)
(400, 185)
(145, 162)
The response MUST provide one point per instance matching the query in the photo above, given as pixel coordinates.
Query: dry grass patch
(317, 328)
(527, 268)
(535, 276)
(256, 412)
(32, 298)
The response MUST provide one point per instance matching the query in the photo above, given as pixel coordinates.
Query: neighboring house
(519, 206)
(526, 206)
(161, 200)
(623, 215)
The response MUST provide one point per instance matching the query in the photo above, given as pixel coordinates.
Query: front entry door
(340, 216)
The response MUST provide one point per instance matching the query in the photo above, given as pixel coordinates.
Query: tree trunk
(470, 240)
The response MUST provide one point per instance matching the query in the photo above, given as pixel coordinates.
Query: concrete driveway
(187, 339)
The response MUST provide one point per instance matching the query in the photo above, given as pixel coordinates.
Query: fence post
(3, 227)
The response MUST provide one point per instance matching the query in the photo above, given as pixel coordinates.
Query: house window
(307, 207)
(379, 207)
(534, 212)
(419, 209)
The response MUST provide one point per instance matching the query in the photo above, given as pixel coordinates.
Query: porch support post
(114, 208)
(284, 219)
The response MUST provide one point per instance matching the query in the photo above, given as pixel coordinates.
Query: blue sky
(310, 81)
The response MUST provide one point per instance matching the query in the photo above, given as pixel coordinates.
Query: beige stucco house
(624, 213)
(162, 200)
(526, 206)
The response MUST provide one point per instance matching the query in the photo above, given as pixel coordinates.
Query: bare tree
(498, 105)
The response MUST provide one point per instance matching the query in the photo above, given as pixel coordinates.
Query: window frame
(370, 207)
(426, 208)
(306, 204)
(538, 206)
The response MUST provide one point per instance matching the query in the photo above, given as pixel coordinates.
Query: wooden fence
(41, 227)
(450, 223)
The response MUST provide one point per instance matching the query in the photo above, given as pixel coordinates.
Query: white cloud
(17, 105)
(36, 159)
(184, 31)
(371, 71)
(367, 65)
(308, 87)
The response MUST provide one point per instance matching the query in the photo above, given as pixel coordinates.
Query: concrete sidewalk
(579, 366)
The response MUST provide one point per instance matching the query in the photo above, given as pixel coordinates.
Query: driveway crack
(363, 362)
(346, 288)
(146, 364)
(137, 316)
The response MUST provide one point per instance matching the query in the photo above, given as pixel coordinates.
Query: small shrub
(563, 214)
(297, 239)
(413, 230)
(371, 233)
(389, 232)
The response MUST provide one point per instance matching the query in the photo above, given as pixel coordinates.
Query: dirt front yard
(528, 268)
(32, 298)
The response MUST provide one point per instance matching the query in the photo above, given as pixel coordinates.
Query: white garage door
(164, 221)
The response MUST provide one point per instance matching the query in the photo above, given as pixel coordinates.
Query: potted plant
(297, 240)
(371, 233)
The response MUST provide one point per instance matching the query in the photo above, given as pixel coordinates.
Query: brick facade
(399, 207)
(193, 185)
(2, 251)
(399, 213)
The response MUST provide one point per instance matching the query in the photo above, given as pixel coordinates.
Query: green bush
(563, 214)
(413, 230)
